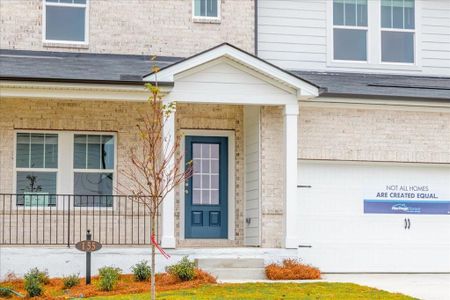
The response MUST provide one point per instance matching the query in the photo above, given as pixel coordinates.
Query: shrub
(184, 270)
(141, 271)
(291, 269)
(34, 281)
(108, 278)
(71, 281)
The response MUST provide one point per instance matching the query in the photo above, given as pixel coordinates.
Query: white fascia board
(168, 74)
(75, 91)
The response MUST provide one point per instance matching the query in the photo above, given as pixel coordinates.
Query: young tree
(156, 164)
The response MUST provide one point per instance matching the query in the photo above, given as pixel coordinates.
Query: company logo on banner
(407, 199)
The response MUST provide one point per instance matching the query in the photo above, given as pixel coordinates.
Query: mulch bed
(55, 288)
(291, 269)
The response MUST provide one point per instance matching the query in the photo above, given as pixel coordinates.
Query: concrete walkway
(421, 286)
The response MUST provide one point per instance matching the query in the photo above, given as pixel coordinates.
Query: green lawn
(323, 290)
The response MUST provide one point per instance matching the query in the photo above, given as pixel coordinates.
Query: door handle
(406, 223)
(409, 223)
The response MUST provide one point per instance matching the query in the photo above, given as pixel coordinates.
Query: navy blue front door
(206, 192)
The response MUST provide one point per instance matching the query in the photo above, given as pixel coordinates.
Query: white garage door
(374, 217)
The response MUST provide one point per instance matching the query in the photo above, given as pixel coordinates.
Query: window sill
(65, 45)
(381, 66)
(206, 20)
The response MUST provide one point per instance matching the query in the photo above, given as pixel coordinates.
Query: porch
(221, 93)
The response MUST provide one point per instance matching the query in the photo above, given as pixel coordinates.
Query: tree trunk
(153, 233)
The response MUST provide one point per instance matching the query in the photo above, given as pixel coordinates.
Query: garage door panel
(317, 228)
(377, 257)
(344, 238)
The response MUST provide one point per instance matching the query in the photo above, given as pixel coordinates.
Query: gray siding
(293, 35)
(252, 175)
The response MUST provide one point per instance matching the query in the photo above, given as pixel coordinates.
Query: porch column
(168, 205)
(290, 182)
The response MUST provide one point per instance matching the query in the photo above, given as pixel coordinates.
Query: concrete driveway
(422, 286)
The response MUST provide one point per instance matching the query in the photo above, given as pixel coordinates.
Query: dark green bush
(71, 281)
(141, 271)
(108, 278)
(34, 282)
(184, 270)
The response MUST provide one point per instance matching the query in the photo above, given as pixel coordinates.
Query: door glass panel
(205, 180)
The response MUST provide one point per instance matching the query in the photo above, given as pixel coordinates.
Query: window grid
(404, 6)
(342, 26)
(211, 9)
(198, 175)
(45, 136)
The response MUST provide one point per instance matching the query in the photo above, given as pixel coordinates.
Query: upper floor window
(350, 30)
(206, 8)
(397, 31)
(65, 21)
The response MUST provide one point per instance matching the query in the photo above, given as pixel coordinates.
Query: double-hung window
(65, 21)
(206, 9)
(350, 30)
(36, 168)
(397, 31)
(93, 164)
(85, 168)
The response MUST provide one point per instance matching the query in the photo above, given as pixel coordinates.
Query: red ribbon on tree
(154, 242)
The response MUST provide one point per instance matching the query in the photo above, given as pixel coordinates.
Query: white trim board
(74, 91)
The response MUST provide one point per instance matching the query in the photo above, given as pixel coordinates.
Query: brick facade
(272, 176)
(120, 117)
(362, 134)
(157, 27)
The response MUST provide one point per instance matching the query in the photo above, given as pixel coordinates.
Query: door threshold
(207, 243)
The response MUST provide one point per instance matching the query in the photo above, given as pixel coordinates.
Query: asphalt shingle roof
(376, 85)
(78, 66)
(63, 66)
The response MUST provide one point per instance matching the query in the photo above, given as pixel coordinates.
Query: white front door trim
(230, 134)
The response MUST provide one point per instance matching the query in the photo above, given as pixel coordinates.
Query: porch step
(233, 268)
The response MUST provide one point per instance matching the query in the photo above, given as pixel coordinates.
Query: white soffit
(303, 88)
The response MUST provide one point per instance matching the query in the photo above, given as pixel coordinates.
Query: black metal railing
(44, 219)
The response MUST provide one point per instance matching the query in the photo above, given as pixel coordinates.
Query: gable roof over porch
(228, 74)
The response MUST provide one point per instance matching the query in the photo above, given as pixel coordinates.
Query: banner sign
(404, 199)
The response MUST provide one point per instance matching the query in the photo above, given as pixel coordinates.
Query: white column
(168, 205)
(290, 175)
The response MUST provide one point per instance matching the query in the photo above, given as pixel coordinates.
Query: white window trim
(205, 19)
(65, 42)
(374, 41)
(231, 178)
(415, 43)
(66, 171)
